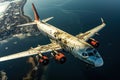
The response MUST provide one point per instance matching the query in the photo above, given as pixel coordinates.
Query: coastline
(13, 18)
(22, 12)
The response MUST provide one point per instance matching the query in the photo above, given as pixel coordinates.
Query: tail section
(36, 16)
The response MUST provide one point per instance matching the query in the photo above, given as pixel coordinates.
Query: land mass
(13, 16)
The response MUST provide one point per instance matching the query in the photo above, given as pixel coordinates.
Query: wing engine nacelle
(44, 60)
(59, 57)
(93, 42)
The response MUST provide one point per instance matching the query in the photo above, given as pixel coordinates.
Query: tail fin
(36, 16)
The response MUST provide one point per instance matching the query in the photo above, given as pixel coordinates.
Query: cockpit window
(90, 54)
(89, 49)
(85, 55)
(95, 51)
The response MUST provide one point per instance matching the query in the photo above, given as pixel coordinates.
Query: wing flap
(34, 51)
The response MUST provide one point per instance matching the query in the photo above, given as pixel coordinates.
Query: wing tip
(102, 20)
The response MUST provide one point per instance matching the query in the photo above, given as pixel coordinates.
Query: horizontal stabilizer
(47, 19)
(27, 24)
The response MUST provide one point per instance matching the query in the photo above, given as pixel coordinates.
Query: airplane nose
(99, 62)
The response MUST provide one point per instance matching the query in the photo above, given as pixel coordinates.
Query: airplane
(81, 46)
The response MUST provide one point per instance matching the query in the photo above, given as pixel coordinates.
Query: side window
(85, 55)
(89, 49)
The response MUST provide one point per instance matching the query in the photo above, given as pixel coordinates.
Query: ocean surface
(72, 16)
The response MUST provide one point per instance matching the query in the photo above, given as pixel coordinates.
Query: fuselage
(70, 43)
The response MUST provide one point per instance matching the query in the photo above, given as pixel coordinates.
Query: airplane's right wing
(33, 51)
(87, 35)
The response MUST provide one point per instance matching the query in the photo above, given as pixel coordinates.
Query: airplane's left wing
(87, 35)
(33, 51)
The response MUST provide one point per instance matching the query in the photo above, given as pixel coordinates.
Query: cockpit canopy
(91, 56)
(90, 52)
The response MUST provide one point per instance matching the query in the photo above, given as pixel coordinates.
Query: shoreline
(22, 12)
(9, 29)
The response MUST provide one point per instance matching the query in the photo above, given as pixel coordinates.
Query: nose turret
(99, 62)
(93, 57)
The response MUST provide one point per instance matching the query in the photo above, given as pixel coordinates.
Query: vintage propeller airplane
(81, 46)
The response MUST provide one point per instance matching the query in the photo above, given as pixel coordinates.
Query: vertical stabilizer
(36, 16)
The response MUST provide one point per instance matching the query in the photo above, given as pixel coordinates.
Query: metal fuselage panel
(67, 41)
